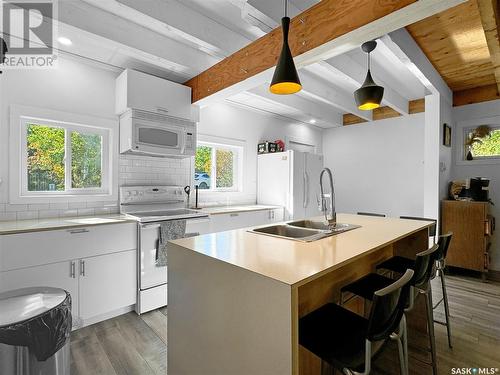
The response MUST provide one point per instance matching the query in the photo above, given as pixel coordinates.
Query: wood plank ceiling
(455, 43)
(463, 45)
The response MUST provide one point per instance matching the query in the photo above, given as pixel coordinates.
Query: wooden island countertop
(235, 298)
(294, 262)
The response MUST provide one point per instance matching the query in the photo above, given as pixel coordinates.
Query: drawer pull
(77, 231)
(82, 268)
(72, 272)
(233, 215)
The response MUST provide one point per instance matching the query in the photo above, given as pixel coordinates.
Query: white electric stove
(150, 205)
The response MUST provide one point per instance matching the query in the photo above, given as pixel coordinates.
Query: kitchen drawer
(37, 248)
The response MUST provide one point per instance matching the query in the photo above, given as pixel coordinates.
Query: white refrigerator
(290, 179)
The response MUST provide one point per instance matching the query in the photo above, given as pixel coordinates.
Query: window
(482, 146)
(217, 166)
(61, 159)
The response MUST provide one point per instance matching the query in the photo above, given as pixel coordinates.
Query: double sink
(304, 230)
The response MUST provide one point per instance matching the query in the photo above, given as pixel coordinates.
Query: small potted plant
(476, 136)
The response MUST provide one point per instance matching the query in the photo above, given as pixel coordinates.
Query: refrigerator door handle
(304, 191)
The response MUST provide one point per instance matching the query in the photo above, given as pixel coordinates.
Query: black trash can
(35, 327)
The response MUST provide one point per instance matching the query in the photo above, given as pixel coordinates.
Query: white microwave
(153, 134)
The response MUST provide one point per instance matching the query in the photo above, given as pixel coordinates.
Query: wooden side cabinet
(472, 226)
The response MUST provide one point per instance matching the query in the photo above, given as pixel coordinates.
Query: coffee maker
(477, 189)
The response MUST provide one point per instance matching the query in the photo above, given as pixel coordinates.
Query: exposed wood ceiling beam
(329, 28)
(185, 59)
(415, 106)
(400, 46)
(317, 89)
(489, 11)
(318, 111)
(475, 95)
(356, 73)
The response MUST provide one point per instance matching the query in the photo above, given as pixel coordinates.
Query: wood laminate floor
(135, 345)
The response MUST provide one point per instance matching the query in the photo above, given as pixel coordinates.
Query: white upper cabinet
(136, 90)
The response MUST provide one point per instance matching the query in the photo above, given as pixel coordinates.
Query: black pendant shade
(3, 51)
(285, 79)
(369, 95)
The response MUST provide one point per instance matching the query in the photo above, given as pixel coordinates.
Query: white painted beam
(315, 110)
(356, 73)
(401, 47)
(175, 20)
(318, 89)
(394, 21)
(104, 24)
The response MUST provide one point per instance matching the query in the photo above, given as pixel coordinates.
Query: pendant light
(285, 79)
(369, 95)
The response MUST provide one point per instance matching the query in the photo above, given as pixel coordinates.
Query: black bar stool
(444, 240)
(432, 229)
(371, 214)
(347, 341)
(423, 268)
(400, 264)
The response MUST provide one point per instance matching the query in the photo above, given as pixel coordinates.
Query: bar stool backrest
(424, 267)
(432, 229)
(370, 214)
(388, 307)
(444, 243)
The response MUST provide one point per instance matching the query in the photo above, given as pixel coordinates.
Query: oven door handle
(150, 226)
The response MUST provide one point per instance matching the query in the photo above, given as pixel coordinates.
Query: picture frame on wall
(446, 135)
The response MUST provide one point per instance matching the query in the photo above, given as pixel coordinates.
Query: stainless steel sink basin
(287, 231)
(338, 228)
(305, 230)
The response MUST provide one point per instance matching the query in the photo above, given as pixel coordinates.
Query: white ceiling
(177, 40)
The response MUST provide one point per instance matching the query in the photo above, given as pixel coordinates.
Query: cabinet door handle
(76, 231)
(160, 109)
(82, 268)
(72, 271)
(233, 215)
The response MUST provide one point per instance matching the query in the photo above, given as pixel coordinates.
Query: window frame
(226, 145)
(469, 129)
(18, 189)
(463, 128)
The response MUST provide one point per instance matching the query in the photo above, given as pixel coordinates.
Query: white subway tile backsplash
(7, 216)
(59, 206)
(48, 213)
(85, 211)
(26, 215)
(69, 213)
(16, 207)
(74, 205)
(133, 170)
(38, 207)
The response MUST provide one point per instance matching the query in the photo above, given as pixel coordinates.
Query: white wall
(229, 121)
(74, 87)
(378, 166)
(83, 88)
(492, 171)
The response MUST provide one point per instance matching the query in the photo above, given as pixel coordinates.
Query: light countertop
(219, 210)
(291, 261)
(25, 226)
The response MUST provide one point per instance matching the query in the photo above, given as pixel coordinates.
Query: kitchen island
(235, 297)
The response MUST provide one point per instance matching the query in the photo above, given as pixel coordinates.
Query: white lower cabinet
(56, 275)
(106, 282)
(96, 265)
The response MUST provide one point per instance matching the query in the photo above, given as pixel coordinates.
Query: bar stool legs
(446, 307)
(430, 326)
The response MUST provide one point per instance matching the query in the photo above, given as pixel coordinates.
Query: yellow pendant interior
(284, 88)
(368, 106)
